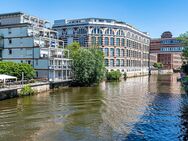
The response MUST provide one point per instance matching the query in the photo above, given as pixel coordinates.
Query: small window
(9, 31)
(10, 51)
(29, 62)
(21, 61)
(10, 41)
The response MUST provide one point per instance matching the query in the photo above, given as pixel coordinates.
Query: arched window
(122, 63)
(122, 52)
(106, 62)
(112, 41)
(122, 33)
(106, 51)
(96, 31)
(111, 52)
(122, 42)
(118, 52)
(118, 33)
(106, 41)
(117, 41)
(117, 62)
(112, 62)
(109, 32)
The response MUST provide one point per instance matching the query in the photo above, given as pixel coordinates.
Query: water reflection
(144, 108)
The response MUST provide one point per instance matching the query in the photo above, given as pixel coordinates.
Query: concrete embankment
(13, 91)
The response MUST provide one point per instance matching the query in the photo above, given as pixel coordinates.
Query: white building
(125, 47)
(27, 39)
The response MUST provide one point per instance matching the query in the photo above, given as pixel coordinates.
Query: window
(9, 31)
(117, 52)
(106, 51)
(82, 41)
(106, 41)
(93, 40)
(112, 41)
(117, 41)
(37, 62)
(29, 62)
(117, 62)
(122, 52)
(111, 62)
(122, 63)
(82, 31)
(109, 32)
(96, 31)
(10, 51)
(10, 41)
(106, 62)
(122, 42)
(100, 41)
(111, 52)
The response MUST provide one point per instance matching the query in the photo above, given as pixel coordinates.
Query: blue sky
(153, 16)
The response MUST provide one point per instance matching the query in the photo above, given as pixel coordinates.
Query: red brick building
(168, 50)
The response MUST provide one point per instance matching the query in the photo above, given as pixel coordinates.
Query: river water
(144, 108)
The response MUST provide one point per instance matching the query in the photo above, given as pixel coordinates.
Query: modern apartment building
(168, 50)
(125, 47)
(27, 39)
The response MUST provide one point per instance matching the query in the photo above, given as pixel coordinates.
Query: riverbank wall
(13, 91)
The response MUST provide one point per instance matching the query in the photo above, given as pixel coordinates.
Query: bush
(16, 69)
(158, 65)
(26, 90)
(113, 76)
(125, 75)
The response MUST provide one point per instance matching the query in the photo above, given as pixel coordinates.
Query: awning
(4, 77)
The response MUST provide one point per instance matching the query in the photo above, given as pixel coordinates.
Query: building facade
(27, 39)
(125, 48)
(168, 50)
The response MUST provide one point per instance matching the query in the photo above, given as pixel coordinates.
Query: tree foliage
(16, 69)
(158, 65)
(184, 41)
(88, 65)
(113, 76)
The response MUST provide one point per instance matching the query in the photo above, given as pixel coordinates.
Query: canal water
(144, 108)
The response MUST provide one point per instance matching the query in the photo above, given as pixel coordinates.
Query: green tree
(184, 41)
(158, 65)
(16, 69)
(87, 66)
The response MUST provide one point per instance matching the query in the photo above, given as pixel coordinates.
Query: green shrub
(125, 75)
(113, 76)
(26, 90)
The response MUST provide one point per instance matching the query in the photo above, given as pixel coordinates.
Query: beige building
(125, 47)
